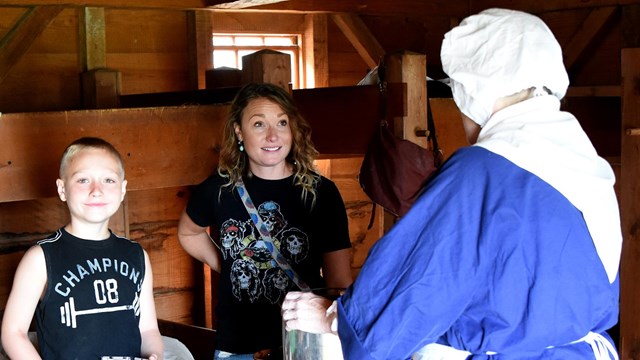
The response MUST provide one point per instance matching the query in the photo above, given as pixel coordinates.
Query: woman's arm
(196, 241)
(152, 346)
(28, 286)
(336, 269)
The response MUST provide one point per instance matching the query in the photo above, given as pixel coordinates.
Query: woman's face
(267, 138)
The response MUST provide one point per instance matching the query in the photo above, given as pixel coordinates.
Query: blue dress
(489, 259)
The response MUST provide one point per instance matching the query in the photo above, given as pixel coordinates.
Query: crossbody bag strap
(266, 237)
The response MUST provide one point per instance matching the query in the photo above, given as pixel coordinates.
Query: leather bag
(394, 171)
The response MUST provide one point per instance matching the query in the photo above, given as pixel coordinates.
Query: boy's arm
(151, 338)
(28, 285)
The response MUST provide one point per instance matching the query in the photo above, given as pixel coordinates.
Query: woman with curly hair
(266, 147)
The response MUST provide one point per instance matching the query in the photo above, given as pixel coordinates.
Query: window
(228, 50)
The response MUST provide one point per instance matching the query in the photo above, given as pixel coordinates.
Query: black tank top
(91, 307)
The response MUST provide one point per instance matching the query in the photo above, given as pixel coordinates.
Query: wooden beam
(93, 43)
(360, 37)
(585, 34)
(410, 68)
(133, 4)
(370, 7)
(162, 147)
(630, 207)
(417, 8)
(316, 51)
(538, 7)
(239, 4)
(26, 30)
(182, 147)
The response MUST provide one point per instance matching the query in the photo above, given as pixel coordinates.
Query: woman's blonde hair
(233, 163)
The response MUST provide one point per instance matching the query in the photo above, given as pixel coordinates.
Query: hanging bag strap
(266, 237)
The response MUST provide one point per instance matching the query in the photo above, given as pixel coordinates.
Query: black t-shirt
(252, 286)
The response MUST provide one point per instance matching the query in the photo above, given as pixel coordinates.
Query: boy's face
(92, 186)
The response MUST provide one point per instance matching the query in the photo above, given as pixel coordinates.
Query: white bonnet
(497, 53)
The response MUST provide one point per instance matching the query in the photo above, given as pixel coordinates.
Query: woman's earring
(240, 145)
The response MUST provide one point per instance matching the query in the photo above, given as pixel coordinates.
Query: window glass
(222, 40)
(224, 58)
(249, 40)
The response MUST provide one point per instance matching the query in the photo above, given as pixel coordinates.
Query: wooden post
(92, 38)
(199, 47)
(630, 208)
(267, 66)
(100, 89)
(316, 52)
(100, 86)
(410, 68)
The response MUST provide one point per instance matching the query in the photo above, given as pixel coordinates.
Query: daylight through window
(228, 50)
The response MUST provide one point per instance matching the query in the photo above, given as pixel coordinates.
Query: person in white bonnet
(512, 252)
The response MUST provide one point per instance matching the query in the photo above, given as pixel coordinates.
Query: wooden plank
(583, 37)
(344, 173)
(162, 147)
(8, 264)
(346, 132)
(360, 37)
(630, 208)
(357, 118)
(448, 124)
(256, 22)
(18, 40)
(131, 31)
(175, 306)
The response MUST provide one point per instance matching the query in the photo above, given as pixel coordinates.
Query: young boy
(91, 290)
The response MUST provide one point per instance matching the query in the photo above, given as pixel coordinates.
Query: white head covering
(498, 53)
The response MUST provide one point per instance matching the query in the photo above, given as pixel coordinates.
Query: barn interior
(151, 76)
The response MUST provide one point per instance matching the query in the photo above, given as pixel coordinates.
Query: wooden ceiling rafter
(22, 35)
(585, 35)
(239, 4)
(356, 31)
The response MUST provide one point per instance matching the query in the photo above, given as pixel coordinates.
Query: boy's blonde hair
(86, 143)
